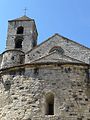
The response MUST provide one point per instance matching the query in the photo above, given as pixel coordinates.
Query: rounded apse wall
(12, 58)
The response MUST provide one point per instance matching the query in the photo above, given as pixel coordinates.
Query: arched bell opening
(20, 30)
(18, 42)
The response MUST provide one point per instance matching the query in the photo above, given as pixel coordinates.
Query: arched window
(58, 49)
(20, 30)
(49, 104)
(18, 42)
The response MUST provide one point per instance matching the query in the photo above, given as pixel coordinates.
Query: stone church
(49, 81)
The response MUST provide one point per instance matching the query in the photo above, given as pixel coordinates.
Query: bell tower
(22, 34)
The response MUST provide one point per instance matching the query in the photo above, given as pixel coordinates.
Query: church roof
(22, 18)
(56, 57)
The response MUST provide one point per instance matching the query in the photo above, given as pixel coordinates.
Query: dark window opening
(22, 58)
(36, 71)
(20, 30)
(34, 43)
(50, 104)
(50, 109)
(12, 57)
(18, 43)
(57, 49)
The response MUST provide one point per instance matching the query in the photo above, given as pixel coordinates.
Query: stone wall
(24, 98)
(12, 58)
(71, 49)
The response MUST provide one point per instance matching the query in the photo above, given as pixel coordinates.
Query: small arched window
(20, 30)
(49, 104)
(58, 49)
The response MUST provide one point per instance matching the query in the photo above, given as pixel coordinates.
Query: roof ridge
(57, 34)
(73, 41)
(22, 18)
(56, 52)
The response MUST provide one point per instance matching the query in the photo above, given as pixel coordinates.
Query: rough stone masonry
(49, 81)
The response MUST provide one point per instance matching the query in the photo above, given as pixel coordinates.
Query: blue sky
(69, 18)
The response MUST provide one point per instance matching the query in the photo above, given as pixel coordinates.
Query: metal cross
(25, 11)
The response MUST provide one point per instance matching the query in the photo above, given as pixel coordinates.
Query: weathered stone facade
(50, 81)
